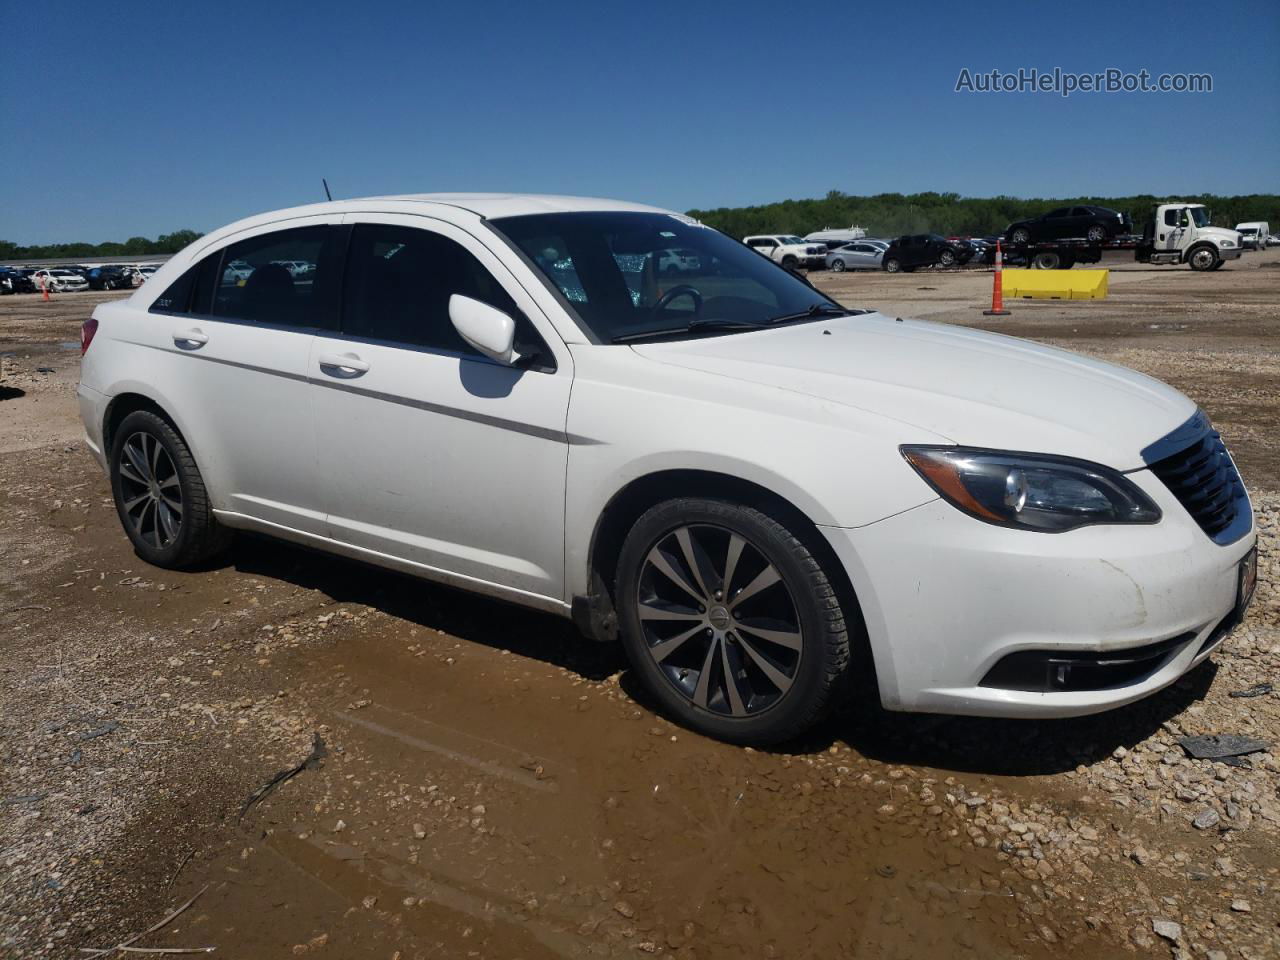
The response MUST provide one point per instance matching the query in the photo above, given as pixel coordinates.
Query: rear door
(236, 345)
(431, 452)
(1058, 224)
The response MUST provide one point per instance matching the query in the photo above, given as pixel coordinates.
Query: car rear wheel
(730, 620)
(160, 496)
(837, 266)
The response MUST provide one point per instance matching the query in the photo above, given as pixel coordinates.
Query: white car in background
(788, 250)
(59, 281)
(1254, 235)
(760, 492)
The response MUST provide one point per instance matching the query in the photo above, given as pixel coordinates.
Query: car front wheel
(1020, 235)
(730, 620)
(160, 496)
(1097, 233)
(837, 266)
(892, 265)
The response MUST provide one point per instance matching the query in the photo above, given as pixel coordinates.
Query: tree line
(950, 214)
(134, 246)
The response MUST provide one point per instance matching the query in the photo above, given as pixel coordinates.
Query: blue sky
(143, 118)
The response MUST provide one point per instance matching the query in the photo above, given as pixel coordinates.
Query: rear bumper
(93, 411)
(947, 598)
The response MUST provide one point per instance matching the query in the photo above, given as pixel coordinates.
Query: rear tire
(1046, 260)
(160, 496)
(760, 669)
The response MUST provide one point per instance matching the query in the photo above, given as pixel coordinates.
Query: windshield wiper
(693, 326)
(815, 310)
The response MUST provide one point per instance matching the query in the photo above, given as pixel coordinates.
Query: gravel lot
(494, 786)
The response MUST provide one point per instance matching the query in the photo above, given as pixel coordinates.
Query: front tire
(893, 265)
(947, 258)
(789, 262)
(1020, 235)
(1096, 233)
(160, 496)
(1204, 258)
(837, 266)
(730, 620)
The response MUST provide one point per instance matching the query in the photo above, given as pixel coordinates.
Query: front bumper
(946, 598)
(1229, 253)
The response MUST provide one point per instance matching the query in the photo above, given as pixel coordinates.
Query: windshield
(789, 240)
(615, 270)
(1199, 215)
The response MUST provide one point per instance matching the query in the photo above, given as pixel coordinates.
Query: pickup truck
(789, 250)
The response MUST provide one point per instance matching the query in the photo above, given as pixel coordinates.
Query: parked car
(838, 237)
(144, 274)
(1078, 222)
(924, 250)
(788, 250)
(110, 277)
(16, 281)
(1254, 235)
(678, 261)
(855, 256)
(752, 487)
(59, 280)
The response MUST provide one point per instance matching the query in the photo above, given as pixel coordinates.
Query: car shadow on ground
(1000, 747)
(11, 393)
(467, 616)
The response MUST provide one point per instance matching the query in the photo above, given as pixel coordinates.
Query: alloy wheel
(150, 490)
(718, 620)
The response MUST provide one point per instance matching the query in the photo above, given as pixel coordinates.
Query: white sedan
(59, 281)
(759, 492)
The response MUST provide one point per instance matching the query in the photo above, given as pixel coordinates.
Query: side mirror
(486, 328)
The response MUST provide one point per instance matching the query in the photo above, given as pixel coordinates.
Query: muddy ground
(492, 785)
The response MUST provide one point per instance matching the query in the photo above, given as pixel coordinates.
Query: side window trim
(431, 225)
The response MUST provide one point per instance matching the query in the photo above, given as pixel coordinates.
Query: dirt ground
(485, 783)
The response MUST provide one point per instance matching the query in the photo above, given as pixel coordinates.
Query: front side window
(256, 285)
(399, 281)
(608, 266)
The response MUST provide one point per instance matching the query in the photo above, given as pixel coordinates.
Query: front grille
(1202, 476)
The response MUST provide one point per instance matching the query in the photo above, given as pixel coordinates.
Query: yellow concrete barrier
(1055, 284)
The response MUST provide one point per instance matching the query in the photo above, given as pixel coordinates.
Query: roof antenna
(326, 189)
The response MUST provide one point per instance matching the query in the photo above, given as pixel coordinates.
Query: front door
(1171, 228)
(430, 452)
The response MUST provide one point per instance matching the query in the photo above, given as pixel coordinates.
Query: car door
(432, 453)
(1057, 224)
(862, 256)
(236, 346)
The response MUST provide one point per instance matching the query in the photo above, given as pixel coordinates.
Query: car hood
(971, 387)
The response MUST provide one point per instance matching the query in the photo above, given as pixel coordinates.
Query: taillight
(87, 330)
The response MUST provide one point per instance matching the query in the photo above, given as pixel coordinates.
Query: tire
(1046, 260)
(1020, 235)
(947, 258)
(837, 266)
(893, 265)
(789, 262)
(1203, 257)
(166, 531)
(1096, 233)
(720, 676)
(1217, 265)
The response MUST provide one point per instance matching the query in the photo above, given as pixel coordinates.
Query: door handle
(343, 365)
(191, 340)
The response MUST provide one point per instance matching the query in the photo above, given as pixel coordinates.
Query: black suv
(16, 281)
(925, 250)
(110, 278)
(1070, 223)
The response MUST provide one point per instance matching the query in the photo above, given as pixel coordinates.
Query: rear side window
(398, 284)
(272, 278)
(191, 292)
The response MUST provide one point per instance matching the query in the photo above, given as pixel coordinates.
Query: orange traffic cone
(997, 291)
(44, 285)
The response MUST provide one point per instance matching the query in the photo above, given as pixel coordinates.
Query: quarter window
(272, 278)
(398, 284)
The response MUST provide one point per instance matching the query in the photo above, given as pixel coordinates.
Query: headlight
(1228, 243)
(1030, 491)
